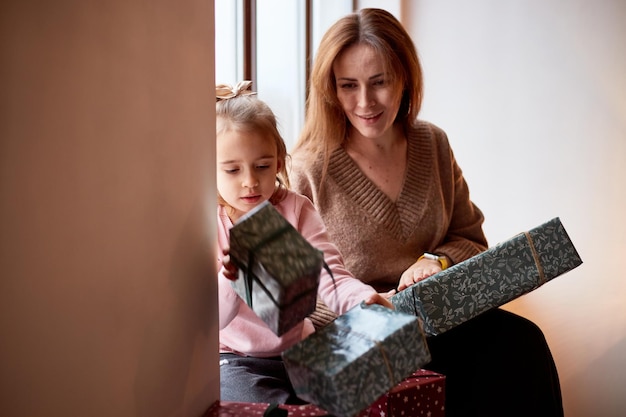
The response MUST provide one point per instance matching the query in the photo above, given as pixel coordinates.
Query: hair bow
(226, 91)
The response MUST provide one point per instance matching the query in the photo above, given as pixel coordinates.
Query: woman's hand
(230, 270)
(420, 270)
(381, 299)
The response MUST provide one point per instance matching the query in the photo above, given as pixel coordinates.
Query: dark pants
(256, 380)
(497, 364)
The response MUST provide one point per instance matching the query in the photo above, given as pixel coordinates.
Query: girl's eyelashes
(258, 166)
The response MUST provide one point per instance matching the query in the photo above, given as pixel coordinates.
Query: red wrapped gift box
(233, 409)
(421, 394)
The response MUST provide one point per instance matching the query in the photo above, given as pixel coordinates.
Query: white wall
(107, 201)
(532, 94)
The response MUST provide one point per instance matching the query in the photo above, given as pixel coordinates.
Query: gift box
(352, 361)
(279, 270)
(490, 279)
(421, 394)
(237, 409)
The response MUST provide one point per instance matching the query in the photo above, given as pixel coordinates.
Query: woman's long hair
(326, 125)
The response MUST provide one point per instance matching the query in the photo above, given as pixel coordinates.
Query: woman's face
(247, 164)
(368, 96)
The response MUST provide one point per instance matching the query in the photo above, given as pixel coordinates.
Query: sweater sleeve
(342, 291)
(464, 237)
(229, 301)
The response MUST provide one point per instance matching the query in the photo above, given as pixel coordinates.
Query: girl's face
(247, 164)
(367, 94)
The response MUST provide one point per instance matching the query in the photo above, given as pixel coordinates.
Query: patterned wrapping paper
(351, 362)
(279, 270)
(490, 279)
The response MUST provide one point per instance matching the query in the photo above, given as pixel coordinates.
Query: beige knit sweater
(380, 238)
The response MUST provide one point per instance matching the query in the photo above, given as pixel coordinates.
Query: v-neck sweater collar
(397, 216)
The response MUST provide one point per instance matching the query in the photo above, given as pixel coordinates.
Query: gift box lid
(352, 361)
(351, 335)
(264, 234)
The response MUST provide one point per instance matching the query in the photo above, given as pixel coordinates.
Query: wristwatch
(441, 259)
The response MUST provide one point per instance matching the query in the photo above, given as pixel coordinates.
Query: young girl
(251, 168)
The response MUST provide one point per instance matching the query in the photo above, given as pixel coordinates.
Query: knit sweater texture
(380, 238)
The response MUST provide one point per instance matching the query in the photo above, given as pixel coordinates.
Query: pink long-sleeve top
(241, 330)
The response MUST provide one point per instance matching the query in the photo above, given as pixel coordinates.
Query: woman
(395, 202)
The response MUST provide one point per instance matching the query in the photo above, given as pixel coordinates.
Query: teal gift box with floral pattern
(279, 270)
(490, 279)
(351, 362)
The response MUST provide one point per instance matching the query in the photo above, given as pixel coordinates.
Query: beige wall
(533, 97)
(107, 296)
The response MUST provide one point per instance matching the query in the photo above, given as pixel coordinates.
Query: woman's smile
(370, 119)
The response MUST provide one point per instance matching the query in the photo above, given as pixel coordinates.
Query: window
(268, 41)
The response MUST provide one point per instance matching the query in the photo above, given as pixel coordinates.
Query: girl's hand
(230, 270)
(420, 270)
(380, 299)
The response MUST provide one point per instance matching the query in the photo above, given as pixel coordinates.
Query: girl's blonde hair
(247, 113)
(326, 125)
